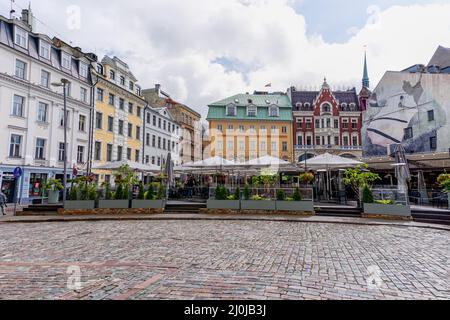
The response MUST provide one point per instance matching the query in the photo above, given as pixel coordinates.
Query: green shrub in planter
(386, 202)
(237, 194)
(246, 192)
(281, 196)
(108, 191)
(141, 194)
(367, 195)
(297, 196)
(150, 193)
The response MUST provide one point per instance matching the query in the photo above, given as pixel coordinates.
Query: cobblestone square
(222, 260)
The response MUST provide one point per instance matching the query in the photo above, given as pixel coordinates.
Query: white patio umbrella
(213, 162)
(133, 165)
(329, 161)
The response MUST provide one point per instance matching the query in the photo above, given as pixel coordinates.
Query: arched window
(307, 156)
(274, 111)
(326, 108)
(231, 110)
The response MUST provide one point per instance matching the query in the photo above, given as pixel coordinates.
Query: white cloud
(177, 43)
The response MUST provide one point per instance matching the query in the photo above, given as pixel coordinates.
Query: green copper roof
(217, 110)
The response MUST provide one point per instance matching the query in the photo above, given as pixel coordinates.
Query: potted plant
(223, 200)
(148, 199)
(294, 203)
(125, 178)
(306, 178)
(444, 182)
(53, 187)
(359, 177)
(382, 207)
(82, 195)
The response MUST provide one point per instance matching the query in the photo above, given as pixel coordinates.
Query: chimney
(27, 17)
(157, 88)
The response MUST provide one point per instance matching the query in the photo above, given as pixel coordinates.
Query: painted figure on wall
(402, 111)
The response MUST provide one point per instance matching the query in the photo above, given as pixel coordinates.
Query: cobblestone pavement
(222, 260)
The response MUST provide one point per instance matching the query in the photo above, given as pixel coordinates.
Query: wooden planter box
(387, 209)
(258, 205)
(223, 204)
(148, 204)
(113, 204)
(306, 206)
(80, 205)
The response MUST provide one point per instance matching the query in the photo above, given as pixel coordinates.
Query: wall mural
(408, 108)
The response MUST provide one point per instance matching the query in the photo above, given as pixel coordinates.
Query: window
(66, 60)
(153, 141)
(80, 154)
(15, 147)
(317, 123)
(61, 117)
(159, 142)
(21, 38)
(308, 124)
(164, 125)
(345, 123)
(137, 155)
(84, 69)
(433, 143)
(129, 154)
(100, 69)
(336, 124)
(231, 110)
(230, 127)
(45, 79)
(430, 114)
(308, 140)
(139, 111)
(44, 49)
(130, 108)
(138, 132)
(121, 127)
(252, 145)
(122, 80)
(159, 123)
(69, 89)
(354, 123)
(230, 146)
(98, 120)
(112, 75)
(242, 129)
(164, 144)
(274, 146)
(263, 129)
(219, 128)
(82, 123)
(99, 94)
(110, 124)
(154, 121)
(121, 104)
(326, 108)
(111, 99)
(262, 146)
(408, 133)
(97, 151)
(300, 140)
(61, 152)
(149, 118)
(147, 159)
(40, 149)
(285, 146)
(119, 153)
(252, 111)
(109, 148)
(42, 112)
(131, 86)
(153, 160)
(284, 129)
(345, 139)
(168, 146)
(18, 106)
(83, 95)
(21, 69)
(147, 139)
(159, 161)
(273, 111)
(130, 130)
(328, 123)
(318, 141)
(336, 141)
(355, 141)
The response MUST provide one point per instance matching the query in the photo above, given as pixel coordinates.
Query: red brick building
(326, 121)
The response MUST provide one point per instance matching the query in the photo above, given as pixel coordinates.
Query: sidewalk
(198, 217)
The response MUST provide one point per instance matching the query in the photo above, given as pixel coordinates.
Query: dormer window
(21, 37)
(100, 69)
(66, 60)
(326, 108)
(344, 106)
(44, 49)
(307, 105)
(112, 75)
(84, 69)
(274, 111)
(298, 104)
(231, 110)
(122, 80)
(131, 86)
(252, 111)
(352, 105)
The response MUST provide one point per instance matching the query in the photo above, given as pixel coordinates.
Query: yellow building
(118, 119)
(245, 127)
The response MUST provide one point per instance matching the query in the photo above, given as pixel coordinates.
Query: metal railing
(267, 193)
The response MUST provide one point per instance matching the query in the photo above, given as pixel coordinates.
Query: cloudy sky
(204, 50)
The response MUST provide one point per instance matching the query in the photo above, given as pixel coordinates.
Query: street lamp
(64, 83)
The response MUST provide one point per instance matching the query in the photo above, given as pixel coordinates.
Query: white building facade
(161, 137)
(31, 109)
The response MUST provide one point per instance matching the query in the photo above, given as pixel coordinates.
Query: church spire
(365, 80)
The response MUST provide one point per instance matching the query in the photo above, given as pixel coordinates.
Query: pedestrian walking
(3, 202)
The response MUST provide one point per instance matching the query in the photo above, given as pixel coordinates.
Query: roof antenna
(12, 11)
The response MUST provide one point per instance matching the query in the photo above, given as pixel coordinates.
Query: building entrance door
(9, 186)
